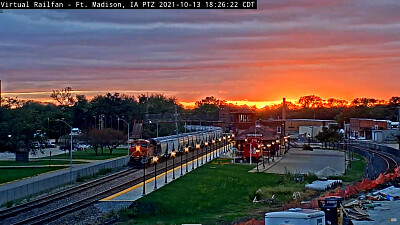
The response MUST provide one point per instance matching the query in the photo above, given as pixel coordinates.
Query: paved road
(39, 154)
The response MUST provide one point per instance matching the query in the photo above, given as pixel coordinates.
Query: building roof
(267, 133)
(244, 110)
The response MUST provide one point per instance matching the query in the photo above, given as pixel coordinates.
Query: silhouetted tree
(64, 96)
(310, 101)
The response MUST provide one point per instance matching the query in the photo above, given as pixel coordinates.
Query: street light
(224, 138)
(257, 151)
(214, 148)
(286, 143)
(273, 155)
(144, 161)
(70, 151)
(263, 159)
(278, 144)
(186, 152)
(206, 144)
(269, 153)
(173, 153)
(155, 159)
(181, 151)
(166, 165)
(220, 141)
(202, 150)
(128, 131)
(197, 149)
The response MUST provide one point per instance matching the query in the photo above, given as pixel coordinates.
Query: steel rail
(67, 208)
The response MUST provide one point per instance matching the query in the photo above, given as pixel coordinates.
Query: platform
(135, 192)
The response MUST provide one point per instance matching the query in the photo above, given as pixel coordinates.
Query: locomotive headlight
(137, 148)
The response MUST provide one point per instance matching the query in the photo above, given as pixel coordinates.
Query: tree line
(21, 119)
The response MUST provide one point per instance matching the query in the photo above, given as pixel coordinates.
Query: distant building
(361, 128)
(293, 125)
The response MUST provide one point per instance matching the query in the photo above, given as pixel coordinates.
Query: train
(163, 146)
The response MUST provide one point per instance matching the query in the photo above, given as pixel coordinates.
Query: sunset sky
(343, 49)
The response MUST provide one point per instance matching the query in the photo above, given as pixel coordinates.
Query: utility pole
(146, 116)
(176, 119)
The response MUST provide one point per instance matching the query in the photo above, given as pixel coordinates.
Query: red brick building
(362, 128)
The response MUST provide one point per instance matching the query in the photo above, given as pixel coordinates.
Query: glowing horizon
(283, 49)
(44, 96)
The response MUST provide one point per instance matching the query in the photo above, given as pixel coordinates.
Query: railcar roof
(171, 137)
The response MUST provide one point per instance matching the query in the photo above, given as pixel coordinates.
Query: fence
(39, 184)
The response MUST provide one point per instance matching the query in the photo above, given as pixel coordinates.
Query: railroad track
(391, 163)
(64, 209)
(61, 194)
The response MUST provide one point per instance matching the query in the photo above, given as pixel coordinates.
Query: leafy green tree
(328, 135)
(208, 108)
(114, 138)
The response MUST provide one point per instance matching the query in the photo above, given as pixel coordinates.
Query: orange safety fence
(253, 222)
(365, 185)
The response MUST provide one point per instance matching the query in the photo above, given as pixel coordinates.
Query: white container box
(295, 217)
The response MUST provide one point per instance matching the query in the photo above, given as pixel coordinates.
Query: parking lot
(304, 161)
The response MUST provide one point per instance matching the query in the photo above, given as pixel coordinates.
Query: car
(75, 131)
(35, 145)
(50, 144)
(77, 147)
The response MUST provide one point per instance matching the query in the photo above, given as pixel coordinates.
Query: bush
(9, 204)
(307, 147)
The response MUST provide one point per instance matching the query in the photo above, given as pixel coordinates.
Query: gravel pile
(328, 172)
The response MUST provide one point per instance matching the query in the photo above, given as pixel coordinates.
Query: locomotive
(163, 146)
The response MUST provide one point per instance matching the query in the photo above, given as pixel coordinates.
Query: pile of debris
(356, 209)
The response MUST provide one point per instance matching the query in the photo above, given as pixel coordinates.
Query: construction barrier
(351, 190)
